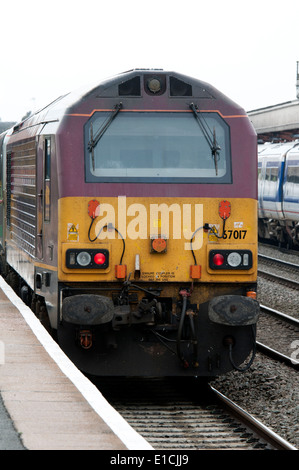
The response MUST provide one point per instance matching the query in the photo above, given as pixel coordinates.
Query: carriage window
(293, 174)
(152, 146)
(274, 174)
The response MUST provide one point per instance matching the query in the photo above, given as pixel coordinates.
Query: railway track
(284, 328)
(284, 335)
(286, 264)
(279, 279)
(255, 426)
(290, 268)
(180, 415)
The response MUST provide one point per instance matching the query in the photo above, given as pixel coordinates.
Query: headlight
(83, 258)
(234, 259)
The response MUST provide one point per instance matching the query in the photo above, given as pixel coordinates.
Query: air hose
(230, 353)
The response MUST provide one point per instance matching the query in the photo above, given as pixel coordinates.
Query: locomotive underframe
(146, 335)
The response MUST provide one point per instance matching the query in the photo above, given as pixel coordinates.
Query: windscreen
(156, 147)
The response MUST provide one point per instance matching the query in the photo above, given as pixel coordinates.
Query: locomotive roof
(55, 111)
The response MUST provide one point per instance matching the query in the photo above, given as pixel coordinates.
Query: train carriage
(130, 224)
(278, 190)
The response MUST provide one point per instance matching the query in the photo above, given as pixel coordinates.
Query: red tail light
(218, 259)
(99, 258)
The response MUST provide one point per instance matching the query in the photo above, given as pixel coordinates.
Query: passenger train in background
(129, 224)
(278, 190)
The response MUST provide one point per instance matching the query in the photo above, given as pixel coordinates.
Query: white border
(131, 439)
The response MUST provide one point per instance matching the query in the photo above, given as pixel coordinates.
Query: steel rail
(263, 348)
(283, 316)
(255, 425)
(279, 261)
(277, 355)
(273, 277)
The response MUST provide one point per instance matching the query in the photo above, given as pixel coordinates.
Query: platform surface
(50, 403)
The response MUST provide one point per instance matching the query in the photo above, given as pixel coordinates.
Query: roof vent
(130, 87)
(179, 88)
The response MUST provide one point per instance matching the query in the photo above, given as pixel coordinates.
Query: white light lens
(234, 259)
(83, 258)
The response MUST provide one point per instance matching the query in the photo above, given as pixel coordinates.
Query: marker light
(218, 259)
(99, 258)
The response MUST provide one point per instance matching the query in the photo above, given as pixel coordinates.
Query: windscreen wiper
(94, 139)
(208, 134)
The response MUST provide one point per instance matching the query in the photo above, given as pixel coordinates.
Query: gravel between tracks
(270, 390)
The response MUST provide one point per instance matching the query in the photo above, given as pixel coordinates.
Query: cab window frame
(225, 152)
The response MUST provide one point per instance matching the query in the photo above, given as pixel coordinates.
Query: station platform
(50, 403)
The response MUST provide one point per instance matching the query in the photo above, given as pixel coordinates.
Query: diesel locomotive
(278, 192)
(129, 225)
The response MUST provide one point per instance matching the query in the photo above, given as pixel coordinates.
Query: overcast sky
(246, 49)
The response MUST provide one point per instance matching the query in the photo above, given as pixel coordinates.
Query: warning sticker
(213, 232)
(73, 232)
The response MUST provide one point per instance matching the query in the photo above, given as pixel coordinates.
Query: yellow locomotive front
(150, 226)
(150, 257)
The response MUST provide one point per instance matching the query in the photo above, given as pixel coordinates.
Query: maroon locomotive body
(130, 225)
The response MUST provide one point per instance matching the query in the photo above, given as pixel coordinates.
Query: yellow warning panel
(73, 232)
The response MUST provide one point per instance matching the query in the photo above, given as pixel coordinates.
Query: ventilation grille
(21, 195)
(130, 87)
(179, 88)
